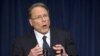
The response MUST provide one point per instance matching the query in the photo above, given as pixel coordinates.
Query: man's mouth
(44, 26)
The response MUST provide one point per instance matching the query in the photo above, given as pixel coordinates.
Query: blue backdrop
(80, 17)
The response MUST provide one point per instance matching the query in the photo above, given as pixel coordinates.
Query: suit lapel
(33, 39)
(55, 38)
(31, 42)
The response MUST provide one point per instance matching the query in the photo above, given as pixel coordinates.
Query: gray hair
(39, 4)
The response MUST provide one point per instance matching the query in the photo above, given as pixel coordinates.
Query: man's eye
(38, 17)
(45, 15)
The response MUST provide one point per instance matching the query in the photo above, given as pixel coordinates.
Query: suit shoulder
(61, 31)
(24, 37)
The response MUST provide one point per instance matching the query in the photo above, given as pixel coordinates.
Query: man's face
(40, 19)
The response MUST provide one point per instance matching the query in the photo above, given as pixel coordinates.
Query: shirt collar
(40, 36)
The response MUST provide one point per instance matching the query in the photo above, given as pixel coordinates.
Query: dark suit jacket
(24, 44)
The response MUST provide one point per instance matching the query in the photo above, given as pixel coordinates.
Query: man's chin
(44, 31)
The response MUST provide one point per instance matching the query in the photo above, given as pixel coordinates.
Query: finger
(58, 55)
(40, 53)
(37, 52)
(37, 47)
(58, 51)
(58, 45)
(57, 48)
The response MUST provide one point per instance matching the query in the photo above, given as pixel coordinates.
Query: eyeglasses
(41, 16)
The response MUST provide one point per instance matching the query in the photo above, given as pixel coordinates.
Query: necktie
(46, 51)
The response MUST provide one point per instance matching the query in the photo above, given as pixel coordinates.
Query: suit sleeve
(70, 46)
(17, 48)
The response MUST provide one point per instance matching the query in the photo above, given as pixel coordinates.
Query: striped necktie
(46, 48)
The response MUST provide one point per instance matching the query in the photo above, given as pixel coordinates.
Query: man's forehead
(39, 10)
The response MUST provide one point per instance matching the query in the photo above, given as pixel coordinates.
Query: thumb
(37, 45)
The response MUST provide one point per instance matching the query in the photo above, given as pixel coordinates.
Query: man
(57, 42)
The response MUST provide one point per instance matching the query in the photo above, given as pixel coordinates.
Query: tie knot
(44, 37)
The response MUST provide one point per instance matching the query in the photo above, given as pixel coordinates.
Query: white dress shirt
(39, 37)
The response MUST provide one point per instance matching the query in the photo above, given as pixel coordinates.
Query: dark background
(80, 17)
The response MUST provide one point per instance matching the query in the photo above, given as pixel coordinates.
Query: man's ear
(30, 21)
